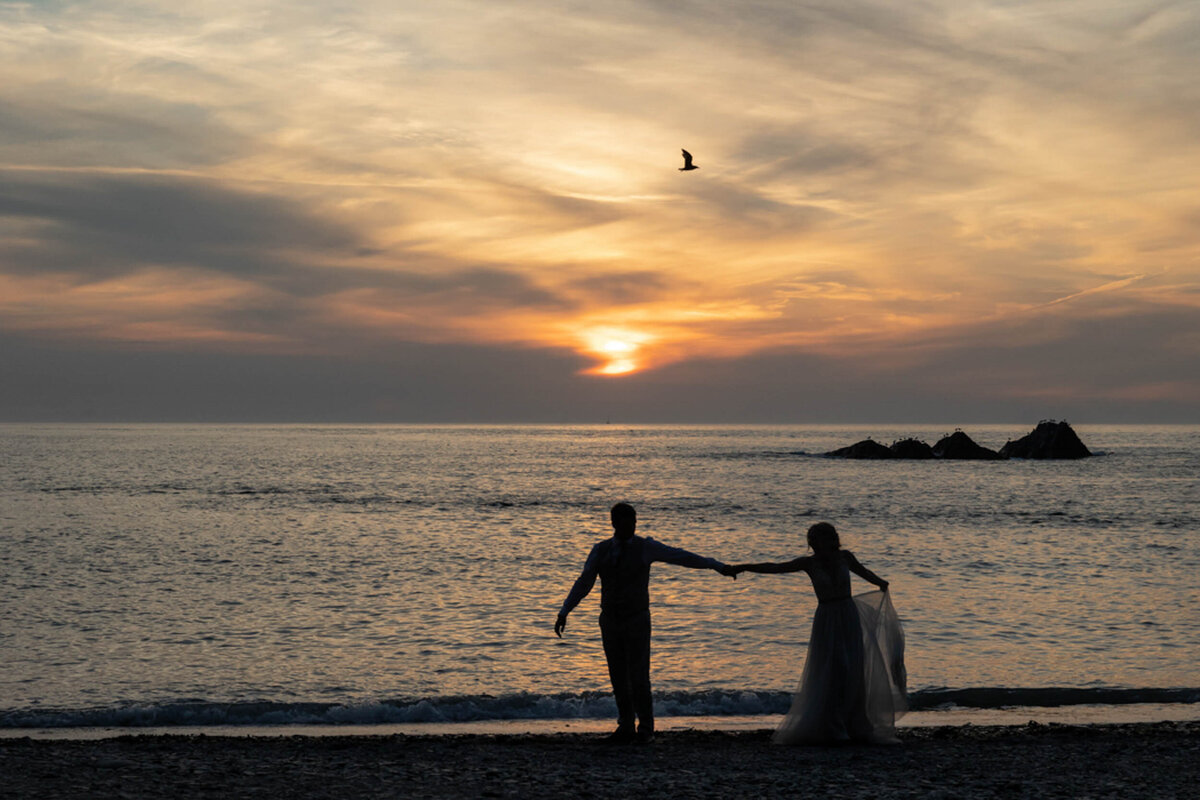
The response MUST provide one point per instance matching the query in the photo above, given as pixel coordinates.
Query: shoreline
(1035, 760)
(1005, 716)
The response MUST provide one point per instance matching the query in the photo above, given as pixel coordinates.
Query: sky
(472, 211)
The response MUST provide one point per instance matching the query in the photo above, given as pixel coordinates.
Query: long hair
(823, 537)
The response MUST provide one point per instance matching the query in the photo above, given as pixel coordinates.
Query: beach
(1160, 760)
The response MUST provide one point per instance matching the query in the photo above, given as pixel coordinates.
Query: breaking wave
(525, 706)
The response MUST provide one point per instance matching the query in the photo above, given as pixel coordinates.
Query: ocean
(260, 575)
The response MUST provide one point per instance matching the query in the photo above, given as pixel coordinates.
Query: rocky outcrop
(911, 448)
(960, 446)
(1049, 440)
(867, 448)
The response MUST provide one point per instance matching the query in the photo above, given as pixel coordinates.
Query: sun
(618, 350)
(617, 347)
(618, 366)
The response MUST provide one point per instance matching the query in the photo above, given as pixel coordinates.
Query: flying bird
(687, 162)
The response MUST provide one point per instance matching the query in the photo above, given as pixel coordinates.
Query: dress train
(853, 684)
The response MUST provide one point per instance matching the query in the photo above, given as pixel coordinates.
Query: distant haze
(471, 211)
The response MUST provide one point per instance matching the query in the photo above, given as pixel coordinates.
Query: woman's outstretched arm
(862, 572)
(770, 567)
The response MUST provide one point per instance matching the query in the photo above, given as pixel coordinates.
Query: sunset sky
(472, 211)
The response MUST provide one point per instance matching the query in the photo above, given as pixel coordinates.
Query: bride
(853, 686)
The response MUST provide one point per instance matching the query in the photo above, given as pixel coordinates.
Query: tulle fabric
(853, 685)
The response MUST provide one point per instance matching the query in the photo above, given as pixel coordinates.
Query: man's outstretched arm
(657, 551)
(583, 585)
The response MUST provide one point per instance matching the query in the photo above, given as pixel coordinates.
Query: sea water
(174, 575)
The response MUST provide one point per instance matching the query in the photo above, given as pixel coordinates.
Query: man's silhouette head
(624, 520)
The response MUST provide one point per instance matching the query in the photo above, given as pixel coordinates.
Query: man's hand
(559, 624)
(729, 570)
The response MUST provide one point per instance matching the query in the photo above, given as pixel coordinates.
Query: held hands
(730, 570)
(559, 624)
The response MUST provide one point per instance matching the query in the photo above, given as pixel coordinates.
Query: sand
(1160, 760)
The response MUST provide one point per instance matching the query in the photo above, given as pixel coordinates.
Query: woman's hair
(822, 536)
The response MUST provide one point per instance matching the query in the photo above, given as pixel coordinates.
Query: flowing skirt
(853, 685)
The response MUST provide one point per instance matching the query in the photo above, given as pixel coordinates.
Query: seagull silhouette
(687, 162)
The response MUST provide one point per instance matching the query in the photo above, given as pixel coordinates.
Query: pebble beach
(1160, 760)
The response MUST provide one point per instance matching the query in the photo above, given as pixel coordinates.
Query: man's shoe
(645, 735)
(620, 736)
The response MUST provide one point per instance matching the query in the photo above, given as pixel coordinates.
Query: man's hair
(623, 511)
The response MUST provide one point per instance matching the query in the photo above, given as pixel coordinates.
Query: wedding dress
(853, 685)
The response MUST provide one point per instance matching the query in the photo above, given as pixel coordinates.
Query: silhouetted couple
(853, 684)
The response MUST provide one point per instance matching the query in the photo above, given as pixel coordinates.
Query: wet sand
(1160, 760)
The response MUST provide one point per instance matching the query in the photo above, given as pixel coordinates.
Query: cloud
(134, 253)
(105, 225)
(63, 127)
(984, 375)
(626, 288)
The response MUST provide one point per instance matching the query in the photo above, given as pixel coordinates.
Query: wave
(525, 706)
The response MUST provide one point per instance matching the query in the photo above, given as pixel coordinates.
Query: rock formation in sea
(960, 446)
(911, 448)
(867, 448)
(1049, 440)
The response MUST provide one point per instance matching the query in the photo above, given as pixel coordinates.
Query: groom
(623, 564)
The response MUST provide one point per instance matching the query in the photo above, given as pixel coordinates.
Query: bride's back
(830, 576)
